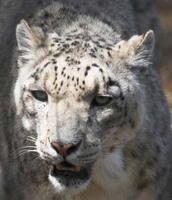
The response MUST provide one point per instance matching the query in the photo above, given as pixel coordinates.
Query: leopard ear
(29, 40)
(138, 50)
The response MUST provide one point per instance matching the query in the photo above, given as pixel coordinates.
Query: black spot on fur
(74, 43)
(68, 39)
(66, 45)
(46, 64)
(86, 71)
(100, 46)
(108, 64)
(54, 61)
(92, 55)
(68, 51)
(77, 80)
(57, 54)
(108, 48)
(95, 65)
(56, 40)
(101, 70)
(36, 77)
(88, 68)
(81, 87)
(109, 54)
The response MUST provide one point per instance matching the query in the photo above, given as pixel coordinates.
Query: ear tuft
(147, 44)
(138, 50)
(28, 41)
(144, 50)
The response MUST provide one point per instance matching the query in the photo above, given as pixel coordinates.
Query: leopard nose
(65, 149)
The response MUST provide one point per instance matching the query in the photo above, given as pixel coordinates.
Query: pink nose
(64, 149)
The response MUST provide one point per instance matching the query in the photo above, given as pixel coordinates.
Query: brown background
(165, 9)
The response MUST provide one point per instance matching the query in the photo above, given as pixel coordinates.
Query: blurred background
(165, 10)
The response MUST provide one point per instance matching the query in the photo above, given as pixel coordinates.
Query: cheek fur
(29, 104)
(28, 124)
(18, 93)
(104, 115)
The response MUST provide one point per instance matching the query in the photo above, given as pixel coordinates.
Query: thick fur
(75, 58)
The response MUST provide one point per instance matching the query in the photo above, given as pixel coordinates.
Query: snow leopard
(89, 105)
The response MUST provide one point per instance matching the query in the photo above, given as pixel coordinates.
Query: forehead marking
(53, 61)
(109, 54)
(46, 64)
(93, 55)
(55, 68)
(92, 45)
(57, 54)
(39, 70)
(56, 86)
(86, 71)
(95, 65)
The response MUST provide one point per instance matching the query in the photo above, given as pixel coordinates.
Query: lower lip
(82, 174)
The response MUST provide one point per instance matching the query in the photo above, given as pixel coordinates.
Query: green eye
(102, 100)
(40, 95)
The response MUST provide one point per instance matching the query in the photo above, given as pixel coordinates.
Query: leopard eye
(40, 95)
(102, 100)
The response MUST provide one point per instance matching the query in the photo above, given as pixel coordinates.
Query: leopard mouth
(70, 175)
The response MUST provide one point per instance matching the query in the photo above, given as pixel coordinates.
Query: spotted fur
(122, 142)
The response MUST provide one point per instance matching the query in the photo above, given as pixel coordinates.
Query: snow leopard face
(79, 94)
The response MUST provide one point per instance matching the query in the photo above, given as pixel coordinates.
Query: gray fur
(124, 26)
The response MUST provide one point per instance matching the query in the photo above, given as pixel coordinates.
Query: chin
(69, 182)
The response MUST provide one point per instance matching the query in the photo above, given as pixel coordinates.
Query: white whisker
(24, 152)
(32, 139)
(27, 147)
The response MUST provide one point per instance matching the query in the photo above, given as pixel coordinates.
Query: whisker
(27, 147)
(31, 139)
(36, 158)
(24, 152)
(28, 150)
